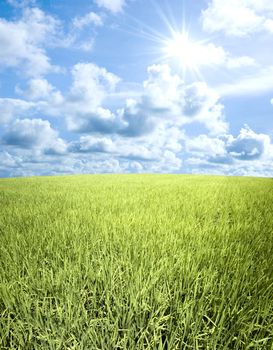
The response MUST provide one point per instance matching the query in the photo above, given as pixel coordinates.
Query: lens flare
(182, 49)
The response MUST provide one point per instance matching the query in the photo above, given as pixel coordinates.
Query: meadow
(136, 262)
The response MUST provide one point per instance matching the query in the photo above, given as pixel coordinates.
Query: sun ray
(172, 46)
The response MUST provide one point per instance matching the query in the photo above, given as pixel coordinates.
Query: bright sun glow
(182, 49)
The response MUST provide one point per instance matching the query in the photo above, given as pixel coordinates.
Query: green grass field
(136, 262)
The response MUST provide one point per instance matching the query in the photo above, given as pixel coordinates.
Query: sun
(186, 52)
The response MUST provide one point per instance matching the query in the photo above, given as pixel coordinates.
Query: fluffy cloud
(147, 134)
(34, 134)
(198, 54)
(157, 152)
(202, 105)
(227, 149)
(114, 6)
(21, 42)
(88, 144)
(9, 107)
(248, 145)
(207, 145)
(167, 99)
(238, 17)
(39, 89)
(91, 18)
(81, 35)
(131, 149)
(99, 120)
(163, 153)
(40, 98)
(37, 163)
(91, 84)
(83, 105)
(9, 164)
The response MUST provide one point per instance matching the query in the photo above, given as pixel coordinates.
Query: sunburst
(187, 54)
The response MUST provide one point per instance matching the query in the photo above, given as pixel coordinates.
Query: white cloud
(166, 99)
(114, 6)
(146, 135)
(38, 88)
(202, 105)
(34, 134)
(37, 163)
(42, 98)
(148, 130)
(83, 105)
(208, 54)
(10, 107)
(91, 84)
(239, 62)
(157, 152)
(247, 154)
(251, 84)
(207, 145)
(238, 17)
(93, 144)
(81, 35)
(86, 45)
(22, 41)
(135, 167)
(88, 19)
(249, 145)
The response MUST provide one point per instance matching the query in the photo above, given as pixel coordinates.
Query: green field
(136, 262)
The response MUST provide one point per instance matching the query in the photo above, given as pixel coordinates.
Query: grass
(136, 262)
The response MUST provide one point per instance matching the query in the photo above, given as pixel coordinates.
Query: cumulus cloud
(238, 17)
(167, 99)
(9, 107)
(153, 152)
(22, 42)
(202, 105)
(91, 83)
(34, 134)
(114, 6)
(39, 89)
(83, 105)
(43, 98)
(248, 145)
(88, 144)
(113, 153)
(147, 134)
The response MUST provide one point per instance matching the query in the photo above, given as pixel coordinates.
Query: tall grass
(136, 262)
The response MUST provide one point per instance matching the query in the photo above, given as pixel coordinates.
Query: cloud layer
(78, 118)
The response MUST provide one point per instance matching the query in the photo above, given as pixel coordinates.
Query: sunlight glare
(182, 49)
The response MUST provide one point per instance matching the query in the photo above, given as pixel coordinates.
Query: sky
(136, 86)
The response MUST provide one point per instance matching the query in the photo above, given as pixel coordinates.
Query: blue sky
(136, 86)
